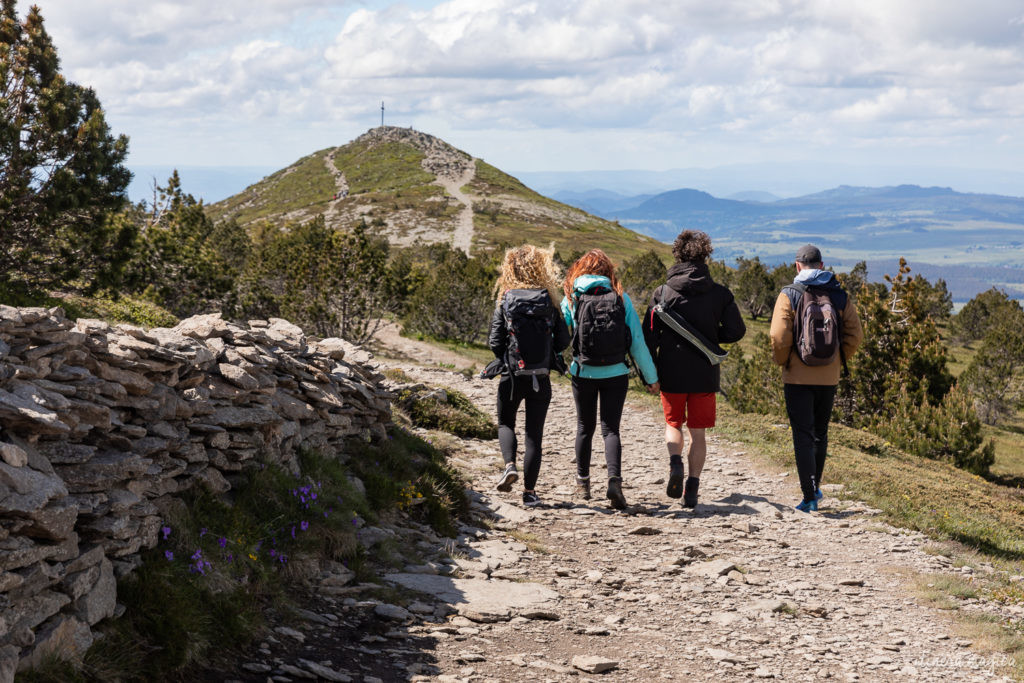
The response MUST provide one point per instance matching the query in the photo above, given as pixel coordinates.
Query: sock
(675, 459)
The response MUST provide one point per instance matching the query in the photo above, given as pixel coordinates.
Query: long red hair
(594, 262)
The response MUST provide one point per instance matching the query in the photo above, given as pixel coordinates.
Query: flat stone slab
(499, 599)
(496, 553)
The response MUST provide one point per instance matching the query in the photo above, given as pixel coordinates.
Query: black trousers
(513, 391)
(612, 394)
(809, 408)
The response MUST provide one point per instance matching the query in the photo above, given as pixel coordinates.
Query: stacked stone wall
(101, 426)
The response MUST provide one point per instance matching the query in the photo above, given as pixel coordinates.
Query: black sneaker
(583, 487)
(675, 481)
(508, 477)
(690, 495)
(530, 499)
(615, 493)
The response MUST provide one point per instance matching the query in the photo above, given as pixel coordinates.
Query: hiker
(688, 365)
(527, 337)
(605, 328)
(814, 331)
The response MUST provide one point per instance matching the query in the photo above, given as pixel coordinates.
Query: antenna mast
(382, 113)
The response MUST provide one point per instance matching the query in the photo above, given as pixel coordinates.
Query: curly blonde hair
(528, 267)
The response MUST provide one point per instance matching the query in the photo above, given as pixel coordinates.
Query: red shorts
(701, 409)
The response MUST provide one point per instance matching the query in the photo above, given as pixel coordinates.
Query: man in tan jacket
(812, 352)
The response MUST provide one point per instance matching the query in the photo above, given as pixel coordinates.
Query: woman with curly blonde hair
(527, 336)
(605, 328)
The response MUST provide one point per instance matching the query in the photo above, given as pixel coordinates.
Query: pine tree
(61, 170)
(182, 260)
(641, 275)
(754, 287)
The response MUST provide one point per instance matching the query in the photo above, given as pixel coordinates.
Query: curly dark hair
(692, 245)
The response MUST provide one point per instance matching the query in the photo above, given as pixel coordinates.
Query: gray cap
(808, 254)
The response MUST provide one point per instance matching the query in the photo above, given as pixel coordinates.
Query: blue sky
(548, 86)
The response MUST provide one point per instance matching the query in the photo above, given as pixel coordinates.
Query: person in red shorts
(689, 381)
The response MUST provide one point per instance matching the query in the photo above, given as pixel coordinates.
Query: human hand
(654, 388)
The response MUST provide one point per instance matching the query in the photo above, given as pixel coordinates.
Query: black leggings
(511, 392)
(612, 392)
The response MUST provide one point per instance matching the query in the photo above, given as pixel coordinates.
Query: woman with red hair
(605, 328)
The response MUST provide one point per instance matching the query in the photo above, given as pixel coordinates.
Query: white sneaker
(508, 477)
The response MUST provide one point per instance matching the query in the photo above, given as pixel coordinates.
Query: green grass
(929, 496)
(456, 414)
(124, 309)
(306, 187)
(178, 619)
(382, 168)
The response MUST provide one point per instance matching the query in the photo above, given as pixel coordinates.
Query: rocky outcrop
(100, 426)
(441, 159)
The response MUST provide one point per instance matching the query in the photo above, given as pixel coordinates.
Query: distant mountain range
(783, 179)
(935, 227)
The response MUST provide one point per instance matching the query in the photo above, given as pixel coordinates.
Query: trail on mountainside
(463, 235)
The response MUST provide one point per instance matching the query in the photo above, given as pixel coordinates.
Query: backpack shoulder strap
(794, 291)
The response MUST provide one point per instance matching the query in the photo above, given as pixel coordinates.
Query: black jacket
(706, 305)
(497, 338)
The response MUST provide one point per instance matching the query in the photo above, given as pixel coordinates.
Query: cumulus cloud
(751, 72)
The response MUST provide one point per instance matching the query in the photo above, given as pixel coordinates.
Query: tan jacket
(794, 371)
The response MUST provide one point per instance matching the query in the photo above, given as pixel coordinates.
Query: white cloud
(734, 74)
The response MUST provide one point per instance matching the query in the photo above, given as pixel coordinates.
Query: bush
(447, 410)
(753, 384)
(641, 275)
(453, 295)
(949, 430)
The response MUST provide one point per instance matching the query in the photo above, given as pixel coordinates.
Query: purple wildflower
(304, 525)
(166, 531)
(293, 532)
(169, 555)
(222, 542)
(202, 532)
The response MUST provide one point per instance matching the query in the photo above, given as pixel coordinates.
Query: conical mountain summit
(411, 186)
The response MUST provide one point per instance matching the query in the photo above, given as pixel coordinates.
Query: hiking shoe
(508, 477)
(530, 499)
(583, 487)
(675, 481)
(808, 506)
(615, 493)
(690, 494)
(818, 495)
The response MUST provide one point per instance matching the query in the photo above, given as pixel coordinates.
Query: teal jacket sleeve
(567, 314)
(638, 349)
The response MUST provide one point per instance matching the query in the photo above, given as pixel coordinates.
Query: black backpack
(528, 318)
(600, 335)
(817, 323)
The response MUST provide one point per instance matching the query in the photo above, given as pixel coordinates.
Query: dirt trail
(330, 216)
(741, 588)
(463, 236)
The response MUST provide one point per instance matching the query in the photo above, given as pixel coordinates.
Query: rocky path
(463, 236)
(340, 182)
(741, 588)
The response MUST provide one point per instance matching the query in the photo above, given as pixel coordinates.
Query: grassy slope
(305, 187)
(565, 226)
(390, 179)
